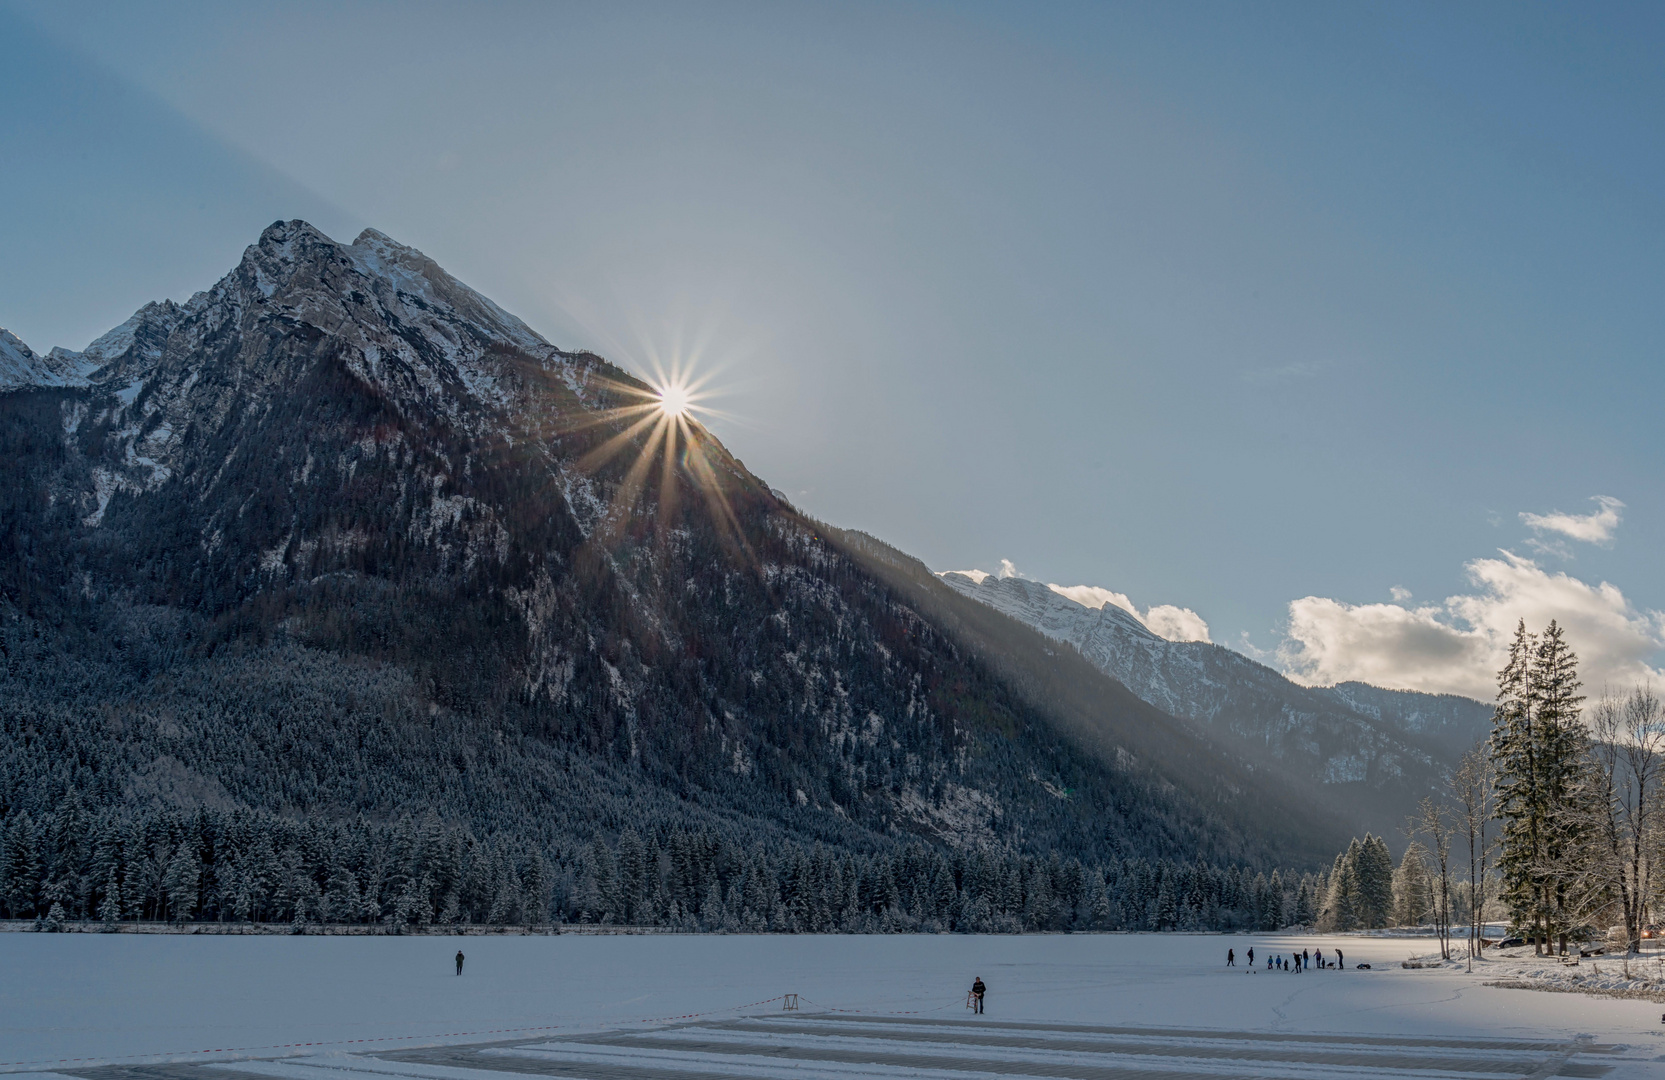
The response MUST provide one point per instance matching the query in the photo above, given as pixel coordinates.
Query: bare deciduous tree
(1628, 751)
(1430, 822)
(1472, 785)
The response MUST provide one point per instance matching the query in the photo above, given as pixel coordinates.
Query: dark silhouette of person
(1231, 958)
(977, 992)
(1339, 961)
(1306, 961)
(459, 961)
(1251, 956)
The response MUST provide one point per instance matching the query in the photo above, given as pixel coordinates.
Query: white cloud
(1596, 527)
(1176, 623)
(1094, 597)
(1163, 620)
(1400, 594)
(1007, 569)
(1456, 647)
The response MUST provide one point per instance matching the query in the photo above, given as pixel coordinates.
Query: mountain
(1377, 750)
(20, 367)
(340, 539)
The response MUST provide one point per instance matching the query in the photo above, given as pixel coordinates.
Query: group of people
(1296, 962)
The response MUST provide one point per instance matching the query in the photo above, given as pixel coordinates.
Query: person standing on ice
(459, 961)
(977, 992)
(1251, 956)
(1339, 962)
(1231, 958)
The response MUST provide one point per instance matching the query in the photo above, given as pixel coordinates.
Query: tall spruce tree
(1375, 874)
(1520, 802)
(1343, 904)
(1564, 762)
(1539, 749)
(1412, 893)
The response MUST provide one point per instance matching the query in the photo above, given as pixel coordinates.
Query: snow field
(71, 1001)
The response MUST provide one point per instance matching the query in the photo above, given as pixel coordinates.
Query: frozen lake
(1107, 1005)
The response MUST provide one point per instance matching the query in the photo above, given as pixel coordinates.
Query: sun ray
(611, 448)
(722, 513)
(630, 488)
(657, 423)
(676, 427)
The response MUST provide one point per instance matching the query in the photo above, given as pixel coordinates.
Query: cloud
(1596, 527)
(1176, 623)
(1400, 594)
(1456, 647)
(1163, 620)
(1007, 569)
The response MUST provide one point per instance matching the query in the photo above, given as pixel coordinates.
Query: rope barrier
(870, 1012)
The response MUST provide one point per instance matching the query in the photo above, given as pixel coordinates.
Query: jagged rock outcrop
(20, 367)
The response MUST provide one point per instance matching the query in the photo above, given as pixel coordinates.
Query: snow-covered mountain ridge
(1344, 734)
(338, 535)
(21, 367)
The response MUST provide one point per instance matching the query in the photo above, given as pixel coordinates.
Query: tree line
(106, 866)
(1556, 818)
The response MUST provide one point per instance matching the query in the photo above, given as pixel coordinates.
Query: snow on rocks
(21, 367)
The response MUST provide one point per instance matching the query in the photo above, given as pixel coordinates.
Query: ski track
(825, 1047)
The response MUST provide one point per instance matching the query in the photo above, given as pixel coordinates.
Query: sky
(1335, 328)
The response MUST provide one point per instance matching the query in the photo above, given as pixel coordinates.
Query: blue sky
(1226, 307)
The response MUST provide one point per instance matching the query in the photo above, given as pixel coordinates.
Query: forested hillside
(340, 539)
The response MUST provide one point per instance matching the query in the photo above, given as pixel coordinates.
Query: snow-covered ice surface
(617, 1007)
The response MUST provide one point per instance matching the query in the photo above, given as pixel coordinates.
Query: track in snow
(828, 1047)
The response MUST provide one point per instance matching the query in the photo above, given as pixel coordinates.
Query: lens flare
(675, 400)
(655, 426)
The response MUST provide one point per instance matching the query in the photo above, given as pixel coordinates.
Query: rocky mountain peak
(21, 366)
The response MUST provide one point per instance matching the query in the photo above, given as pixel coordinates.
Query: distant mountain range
(1385, 748)
(341, 537)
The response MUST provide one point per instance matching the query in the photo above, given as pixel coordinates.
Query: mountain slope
(339, 536)
(1380, 750)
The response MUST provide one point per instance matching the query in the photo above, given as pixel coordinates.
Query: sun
(658, 422)
(674, 400)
